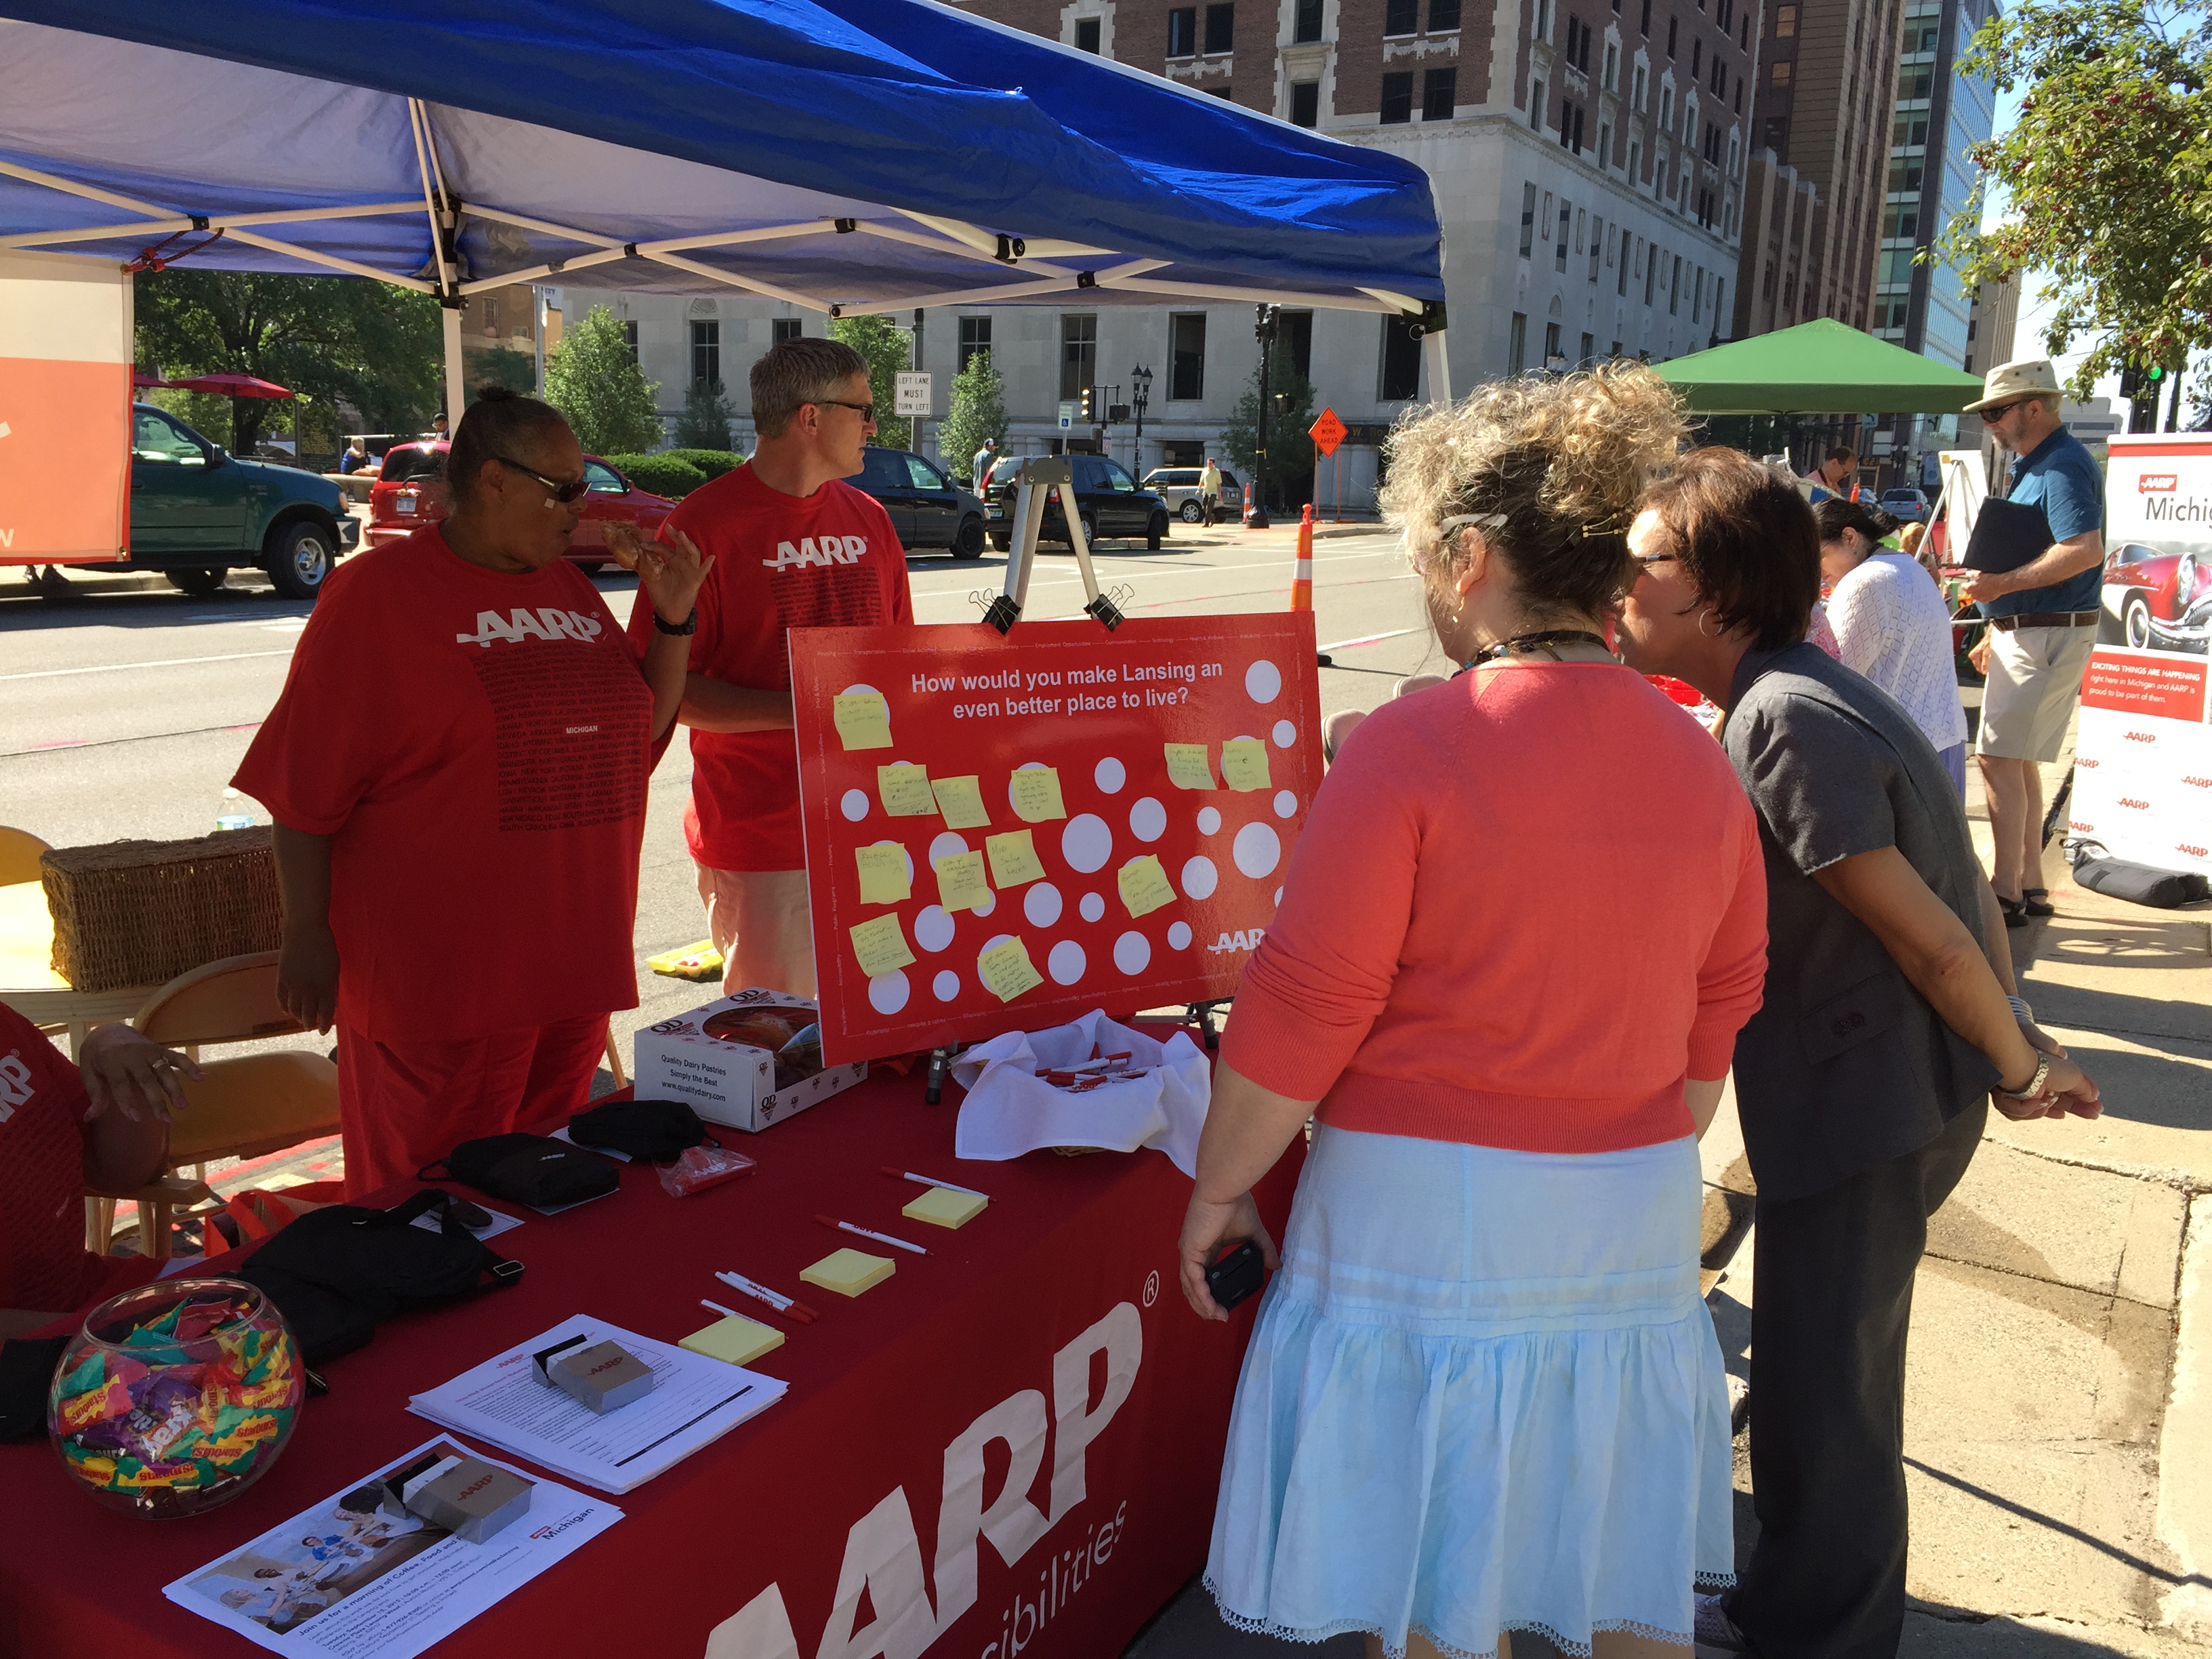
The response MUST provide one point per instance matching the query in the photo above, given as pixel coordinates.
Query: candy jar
(175, 1397)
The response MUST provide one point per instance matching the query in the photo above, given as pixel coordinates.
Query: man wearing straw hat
(2043, 622)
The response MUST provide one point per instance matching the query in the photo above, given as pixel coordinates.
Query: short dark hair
(1747, 539)
(1843, 452)
(500, 421)
(1836, 515)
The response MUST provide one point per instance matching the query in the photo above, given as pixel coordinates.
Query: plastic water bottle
(236, 812)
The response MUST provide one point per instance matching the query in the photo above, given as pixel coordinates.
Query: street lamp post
(1141, 394)
(1263, 327)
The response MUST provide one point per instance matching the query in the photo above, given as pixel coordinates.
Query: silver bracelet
(2020, 1009)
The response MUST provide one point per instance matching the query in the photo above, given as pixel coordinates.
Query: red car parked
(2158, 600)
(411, 492)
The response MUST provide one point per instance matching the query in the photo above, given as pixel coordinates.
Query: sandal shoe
(2015, 912)
(2036, 902)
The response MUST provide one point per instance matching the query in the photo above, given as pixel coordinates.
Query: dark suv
(1113, 505)
(928, 510)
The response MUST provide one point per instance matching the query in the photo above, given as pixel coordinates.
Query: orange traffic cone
(1301, 572)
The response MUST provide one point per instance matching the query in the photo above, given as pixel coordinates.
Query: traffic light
(1089, 402)
(2131, 381)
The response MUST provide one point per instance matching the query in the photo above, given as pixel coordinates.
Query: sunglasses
(574, 490)
(867, 411)
(2003, 410)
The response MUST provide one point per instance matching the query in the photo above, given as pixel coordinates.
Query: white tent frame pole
(986, 242)
(91, 193)
(1259, 295)
(959, 250)
(1437, 362)
(439, 208)
(351, 267)
(215, 222)
(745, 282)
(993, 296)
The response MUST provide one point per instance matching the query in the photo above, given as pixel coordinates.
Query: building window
(1643, 25)
(1717, 285)
(1589, 349)
(1183, 32)
(1401, 16)
(706, 351)
(1527, 219)
(1535, 105)
(1078, 356)
(1904, 173)
(1086, 34)
(1566, 221)
(1622, 287)
(1635, 159)
(1397, 97)
(1673, 25)
(1612, 65)
(1667, 107)
(1777, 137)
(1306, 26)
(1570, 126)
(1220, 28)
(1597, 247)
(974, 336)
(1294, 338)
(1697, 303)
(1551, 345)
(1187, 356)
(1225, 92)
(1650, 273)
(1517, 344)
(1674, 289)
(1305, 103)
(1401, 361)
(1696, 58)
(1578, 43)
(629, 339)
(1915, 81)
(1910, 131)
(1443, 16)
(1779, 75)
(1439, 93)
(1901, 219)
(1604, 151)
(1636, 98)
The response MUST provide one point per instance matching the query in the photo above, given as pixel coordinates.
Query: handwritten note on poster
(1037, 794)
(863, 719)
(960, 883)
(905, 791)
(960, 801)
(1144, 885)
(1013, 859)
(1006, 970)
(1188, 766)
(883, 875)
(1244, 763)
(880, 946)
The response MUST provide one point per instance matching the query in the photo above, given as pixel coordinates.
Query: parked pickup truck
(197, 512)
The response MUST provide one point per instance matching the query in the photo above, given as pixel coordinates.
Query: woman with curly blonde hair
(1522, 927)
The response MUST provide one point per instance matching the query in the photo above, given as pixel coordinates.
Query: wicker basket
(142, 911)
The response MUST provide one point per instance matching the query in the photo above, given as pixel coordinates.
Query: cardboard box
(731, 1082)
(468, 1497)
(604, 1376)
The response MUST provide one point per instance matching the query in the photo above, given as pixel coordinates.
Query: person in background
(979, 469)
(1835, 476)
(2043, 622)
(1864, 1080)
(1209, 489)
(102, 1121)
(457, 771)
(1483, 1395)
(1892, 626)
(763, 525)
(356, 456)
(439, 427)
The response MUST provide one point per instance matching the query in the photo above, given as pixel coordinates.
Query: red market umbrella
(228, 383)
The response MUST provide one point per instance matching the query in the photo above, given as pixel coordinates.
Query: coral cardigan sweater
(1527, 905)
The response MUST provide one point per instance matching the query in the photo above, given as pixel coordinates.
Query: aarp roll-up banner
(2143, 779)
(66, 354)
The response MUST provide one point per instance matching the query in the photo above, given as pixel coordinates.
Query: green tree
(978, 410)
(1289, 451)
(2106, 175)
(591, 379)
(705, 421)
(888, 350)
(374, 346)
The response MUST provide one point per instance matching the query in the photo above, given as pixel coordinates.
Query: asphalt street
(124, 711)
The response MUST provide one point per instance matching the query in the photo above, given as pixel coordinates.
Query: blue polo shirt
(2060, 476)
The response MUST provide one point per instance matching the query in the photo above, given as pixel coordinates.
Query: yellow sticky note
(960, 883)
(1144, 885)
(881, 945)
(848, 1272)
(864, 720)
(1006, 970)
(1244, 763)
(960, 800)
(883, 876)
(941, 1206)
(1013, 859)
(904, 790)
(1188, 766)
(736, 1339)
(1036, 795)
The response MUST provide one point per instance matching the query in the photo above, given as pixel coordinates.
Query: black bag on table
(533, 1170)
(651, 1131)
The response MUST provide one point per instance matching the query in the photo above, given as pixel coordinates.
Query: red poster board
(1098, 709)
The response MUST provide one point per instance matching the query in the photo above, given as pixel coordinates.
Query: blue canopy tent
(845, 155)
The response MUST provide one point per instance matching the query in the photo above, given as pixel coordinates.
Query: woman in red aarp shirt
(457, 770)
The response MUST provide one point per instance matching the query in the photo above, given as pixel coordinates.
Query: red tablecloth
(815, 1529)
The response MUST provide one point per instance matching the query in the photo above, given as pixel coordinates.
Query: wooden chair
(232, 1000)
(19, 856)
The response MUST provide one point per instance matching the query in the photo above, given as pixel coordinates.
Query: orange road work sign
(1327, 433)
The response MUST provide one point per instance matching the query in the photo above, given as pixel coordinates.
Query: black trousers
(1832, 1299)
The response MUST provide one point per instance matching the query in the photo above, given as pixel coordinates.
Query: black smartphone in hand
(1236, 1275)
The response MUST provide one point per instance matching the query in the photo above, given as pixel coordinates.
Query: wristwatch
(2034, 1083)
(689, 625)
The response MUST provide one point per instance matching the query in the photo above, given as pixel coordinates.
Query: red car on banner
(411, 492)
(2157, 600)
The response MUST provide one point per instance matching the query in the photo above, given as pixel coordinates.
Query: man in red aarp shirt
(794, 547)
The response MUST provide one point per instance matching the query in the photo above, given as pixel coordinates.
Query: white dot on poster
(932, 928)
(1263, 681)
(1026, 765)
(1209, 821)
(1066, 963)
(1041, 903)
(1286, 734)
(1086, 843)
(1133, 952)
(1257, 850)
(887, 992)
(946, 846)
(854, 806)
(1286, 804)
(1110, 776)
(988, 905)
(1178, 936)
(994, 943)
(1200, 877)
(1091, 908)
(855, 691)
(1278, 895)
(1148, 819)
(946, 984)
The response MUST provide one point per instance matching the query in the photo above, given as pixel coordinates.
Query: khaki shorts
(759, 920)
(2035, 683)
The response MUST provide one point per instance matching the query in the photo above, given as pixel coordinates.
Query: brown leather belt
(2045, 619)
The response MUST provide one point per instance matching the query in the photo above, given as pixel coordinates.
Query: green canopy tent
(1821, 368)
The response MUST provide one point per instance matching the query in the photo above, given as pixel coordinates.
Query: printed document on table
(349, 1577)
(694, 1400)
